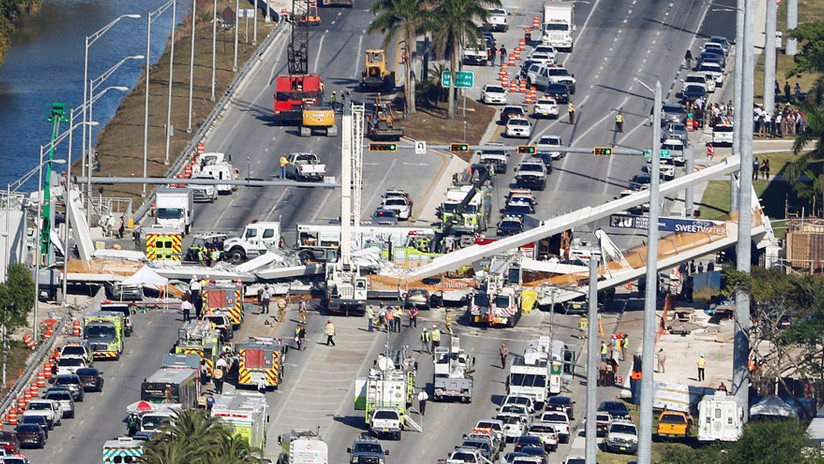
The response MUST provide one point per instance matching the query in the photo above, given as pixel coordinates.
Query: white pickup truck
(48, 409)
(386, 421)
(305, 166)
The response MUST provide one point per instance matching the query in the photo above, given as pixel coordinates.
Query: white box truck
(720, 418)
(174, 208)
(558, 25)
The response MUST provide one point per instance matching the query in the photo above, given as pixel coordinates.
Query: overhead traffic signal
(602, 151)
(459, 147)
(527, 149)
(383, 146)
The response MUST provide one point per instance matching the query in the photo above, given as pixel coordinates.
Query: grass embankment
(120, 143)
(774, 195)
(430, 123)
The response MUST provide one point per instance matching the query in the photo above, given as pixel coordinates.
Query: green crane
(58, 111)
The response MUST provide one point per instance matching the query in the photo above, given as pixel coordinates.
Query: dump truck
(386, 394)
(104, 333)
(375, 75)
(224, 295)
(261, 358)
(453, 372)
(302, 447)
(245, 413)
(381, 123)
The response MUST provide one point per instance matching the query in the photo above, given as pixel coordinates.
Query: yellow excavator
(318, 117)
(375, 75)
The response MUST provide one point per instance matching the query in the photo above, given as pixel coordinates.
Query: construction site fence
(219, 107)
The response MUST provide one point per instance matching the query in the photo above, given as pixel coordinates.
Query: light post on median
(93, 84)
(192, 65)
(152, 16)
(651, 294)
(214, 48)
(171, 78)
(89, 41)
(237, 32)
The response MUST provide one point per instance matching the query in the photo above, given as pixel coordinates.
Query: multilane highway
(615, 42)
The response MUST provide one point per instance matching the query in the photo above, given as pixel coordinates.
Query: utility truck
(386, 394)
(539, 372)
(174, 208)
(256, 238)
(245, 413)
(720, 418)
(104, 333)
(453, 372)
(558, 25)
(499, 301)
(302, 447)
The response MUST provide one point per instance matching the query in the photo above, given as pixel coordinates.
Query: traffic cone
(76, 329)
(536, 22)
(49, 332)
(29, 341)
(200, 148)
(13, 416)
(47, 370)
(41, 379)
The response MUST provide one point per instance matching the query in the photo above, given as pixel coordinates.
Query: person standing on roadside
(398, 318)
(413, 317)
(187, 307)
(422, 397)
(504, 351)
(503, 53)
(425, 338)
(688, 58)
(281, 309)
(436, 337)
(330, 333)
(662, 359)
(571, 111)
(264, 300)
(370, 317)
(302, 310)
(702, 363)
(300, 336)
(583, 323)
(390, 320)
(283, 163)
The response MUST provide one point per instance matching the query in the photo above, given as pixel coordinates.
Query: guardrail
(34, 361)
(219, 107)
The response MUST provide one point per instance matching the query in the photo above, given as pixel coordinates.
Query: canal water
(45, 66)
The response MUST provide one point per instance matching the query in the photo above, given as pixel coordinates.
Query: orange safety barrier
(13, 416)
(47, 369)
(530, 95)
(187, 171)
(21, 404)
(41, 379)
(522, 87)
(76, 328)
(29, 341)
(516, 53)
(200, 148)
(49, 332)
(689, 124)
(34, 391)
(26, 397)
(536, 22)
(513, 85)
(512, 59)
(522, 43)
(505, 82)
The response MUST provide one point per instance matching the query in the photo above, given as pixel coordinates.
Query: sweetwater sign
(694, 226)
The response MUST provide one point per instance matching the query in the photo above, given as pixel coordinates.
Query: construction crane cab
(381, 123)
(375, 75)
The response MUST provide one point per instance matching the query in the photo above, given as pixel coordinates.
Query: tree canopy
(10, 12)
(16, 296)
(811, 38)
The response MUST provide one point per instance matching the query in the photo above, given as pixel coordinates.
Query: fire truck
(224, 295)
(261, 357)
(244, 413)
(199, 338)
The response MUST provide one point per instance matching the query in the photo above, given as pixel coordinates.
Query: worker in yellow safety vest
(436, 337)
(583, 323)
(283, 163)
(702, 363)
(619, 123)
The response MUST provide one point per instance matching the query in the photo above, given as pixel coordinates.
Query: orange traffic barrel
(536, 22)
(47, 369)
(522, 87)
(29, 341)
(76, 328)
(49, 332)
(187, 171)
(13, 416)
(26, 397)
(513, 85)
(200, 148)
(41, 379)
(522, 43)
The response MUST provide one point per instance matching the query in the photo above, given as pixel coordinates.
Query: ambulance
(198, 337)
(245, 415)
(122, 450)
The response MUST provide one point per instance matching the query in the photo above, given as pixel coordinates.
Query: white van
(701, 79)
(720, 418)
(722, 134)
(676, 149)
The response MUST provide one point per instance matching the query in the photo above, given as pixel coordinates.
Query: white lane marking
(583, 28)
(415, 164)
(596, 123)
(377, 190)
(320, 207)
(320, 50)
(557, 121)
(276, 203)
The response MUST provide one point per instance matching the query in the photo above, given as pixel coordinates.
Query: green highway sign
(464, 79)
(664, 153)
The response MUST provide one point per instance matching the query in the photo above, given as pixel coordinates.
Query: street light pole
(171, 78)
(769, 57)
(192, 65)
(93, 84)
(590, 431)
(741, 346)
(89, 41)
(237, 30)
(791, 44)
(738, 83)
(214, 48)
(651, 294)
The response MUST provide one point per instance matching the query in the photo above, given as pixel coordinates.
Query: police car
(510, 225)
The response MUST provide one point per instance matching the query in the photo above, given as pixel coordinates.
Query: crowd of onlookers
(781, 123)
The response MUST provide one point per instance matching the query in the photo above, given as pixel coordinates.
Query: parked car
(48, 409)
(383, 216)
(30, 435)
(560, 403)
(622, 436)
(522, 400)
(493, 95)
(73, 383)
(547, 144)
(76, 347)
(39, 421)
(528, 440)
(515, 425)
(560, 92)
(9, 442)
(675, 130)
(14, 459)
(69, 364)
(547, 433)
(518, 127)
(63, 396)
(510, 111)
(545, 107)
(91, 379)
(399, 205)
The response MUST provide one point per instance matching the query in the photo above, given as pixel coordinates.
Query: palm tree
(451, 23)
(400, 17)
(813, 108)
(194, 437)
(812, 188)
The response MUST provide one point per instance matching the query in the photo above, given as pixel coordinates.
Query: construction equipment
(499, 302)
(305, 12)
(453, 368)
(261, 359)
(381, 124)
(468, 205)
(224, 295)
(198, 337)
(318, 117)
(375, 75)
(387, 392)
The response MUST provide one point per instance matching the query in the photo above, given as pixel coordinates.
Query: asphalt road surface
(615, 42)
